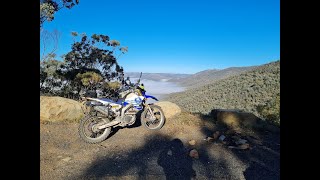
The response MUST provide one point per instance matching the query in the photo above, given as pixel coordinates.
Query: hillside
(256, 91)
(209, 76)
(156, 76)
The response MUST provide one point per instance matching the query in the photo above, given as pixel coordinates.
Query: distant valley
(157, 76)
(191, 80)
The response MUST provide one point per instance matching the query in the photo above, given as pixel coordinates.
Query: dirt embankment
(56, 109)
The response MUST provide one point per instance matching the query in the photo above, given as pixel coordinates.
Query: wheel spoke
(89, 133)
(90, 123)
(155, 121)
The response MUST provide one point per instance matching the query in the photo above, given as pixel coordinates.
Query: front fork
(151, 112)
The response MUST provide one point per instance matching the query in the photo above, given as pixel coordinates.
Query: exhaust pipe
(101, 109)
(112, 123)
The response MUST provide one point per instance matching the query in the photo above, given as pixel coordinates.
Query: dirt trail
(138, 153)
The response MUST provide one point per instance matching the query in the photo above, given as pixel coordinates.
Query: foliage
(113, 85)
(254, 91)
(271, 110)
(89, 79)
(50, 79)
(210, 76)
(47, 11)
(49, 7)
(90, 65)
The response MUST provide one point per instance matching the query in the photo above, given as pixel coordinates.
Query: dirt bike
(105, 114)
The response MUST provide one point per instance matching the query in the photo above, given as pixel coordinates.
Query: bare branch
(49, 39)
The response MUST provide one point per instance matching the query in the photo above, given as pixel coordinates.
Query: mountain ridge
(211, 75)
(189, 80)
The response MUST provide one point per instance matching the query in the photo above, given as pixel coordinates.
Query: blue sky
(178, 36)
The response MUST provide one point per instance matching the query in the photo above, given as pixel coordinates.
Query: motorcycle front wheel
(149, 122)
(87, 132)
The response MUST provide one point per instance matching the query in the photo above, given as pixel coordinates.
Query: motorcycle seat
(111, 101)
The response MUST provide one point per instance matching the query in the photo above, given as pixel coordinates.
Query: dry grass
(169, 109)
(187, 118)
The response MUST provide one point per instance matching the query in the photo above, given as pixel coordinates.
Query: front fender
(152, 97)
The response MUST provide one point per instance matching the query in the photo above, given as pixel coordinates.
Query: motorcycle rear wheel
(86, 132)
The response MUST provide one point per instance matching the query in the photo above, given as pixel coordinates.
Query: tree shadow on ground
(161, 157)
(175, 161)
(263, 159)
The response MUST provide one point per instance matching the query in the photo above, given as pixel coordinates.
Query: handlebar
(126, 85)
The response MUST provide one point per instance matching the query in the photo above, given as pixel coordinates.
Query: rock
(222, 137)
(241, 141)
(56, 109)
(192, 142)
(216, 135)
(236, 120)
(67, 159)
(169, 109)
(194, 154)
(242, 146)
(228, 118)
(209, 139)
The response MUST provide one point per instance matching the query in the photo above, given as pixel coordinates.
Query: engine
(105, 111)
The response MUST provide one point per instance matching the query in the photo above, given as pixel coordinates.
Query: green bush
(271, 110)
